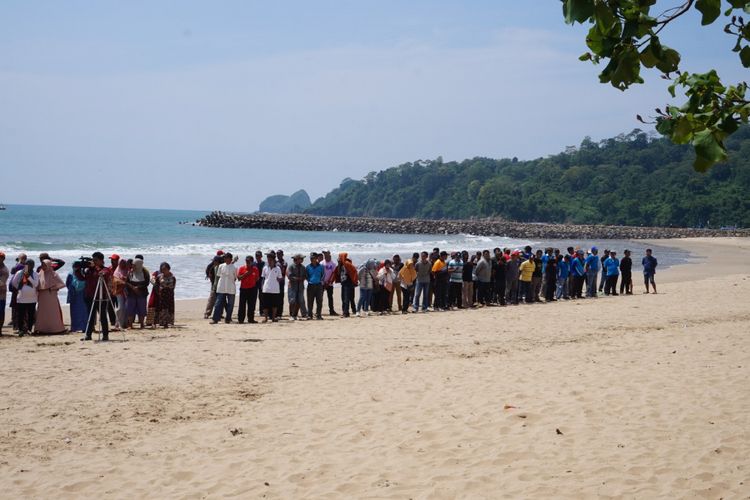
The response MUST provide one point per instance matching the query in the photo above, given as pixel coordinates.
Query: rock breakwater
(479, 227)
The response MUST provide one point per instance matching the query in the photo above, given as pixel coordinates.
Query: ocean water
(169, 235)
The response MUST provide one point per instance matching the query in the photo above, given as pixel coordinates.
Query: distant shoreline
(477, 227)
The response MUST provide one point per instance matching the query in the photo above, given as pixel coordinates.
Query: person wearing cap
(248, 276)
(226, 290)
(626, 269)
(512, 275)
(315, 277)
(4, 275)
(297, 274)
(592, 272)
(329, 268)
(612, 264)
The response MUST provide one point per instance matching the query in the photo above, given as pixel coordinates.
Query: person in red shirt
(248, 276)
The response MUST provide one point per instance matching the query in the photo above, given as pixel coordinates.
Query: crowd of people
(126, 291)
(108, 295)
(428, 281)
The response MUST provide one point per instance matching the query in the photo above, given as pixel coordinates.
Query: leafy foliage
(625, 34)
(632, 179)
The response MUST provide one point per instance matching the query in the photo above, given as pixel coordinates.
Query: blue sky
(216, 105)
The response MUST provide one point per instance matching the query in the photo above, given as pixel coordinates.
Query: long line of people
(114, 294)
(428, 281)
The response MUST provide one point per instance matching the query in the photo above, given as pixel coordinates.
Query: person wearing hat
(329, 269)
(226, 290)
(4, 275)
(315, 276)
(297, 274)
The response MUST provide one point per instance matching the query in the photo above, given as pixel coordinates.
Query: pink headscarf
(48, 277)
(121, 273)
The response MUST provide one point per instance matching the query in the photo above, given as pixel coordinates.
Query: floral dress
(165, 304)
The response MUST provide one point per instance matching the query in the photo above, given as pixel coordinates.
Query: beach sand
(645, 396)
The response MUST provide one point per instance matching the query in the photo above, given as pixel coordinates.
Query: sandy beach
(644, 396)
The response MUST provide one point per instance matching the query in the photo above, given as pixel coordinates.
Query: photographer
(96, 303)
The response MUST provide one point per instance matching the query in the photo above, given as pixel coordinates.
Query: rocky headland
(479, 227)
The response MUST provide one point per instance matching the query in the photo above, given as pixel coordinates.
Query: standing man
(424, 271)
(260, 264)
(626, 268)
(440, 270)
(97, 303)
(592, 271)
(498, 271)
(537, 276)
(4, 275)
(483, 271)
(512, 273)
(604, 270)
(226, 290)
(346, 274)
(20, 264)
(649, 269)
(248, 276)
(282, 266)
(329, 267)
(612, 265)
(297, 275)
(456, 268)
(526, 270)
(211, 277)
(315, 276)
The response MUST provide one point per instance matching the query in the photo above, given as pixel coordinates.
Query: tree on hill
(632, 179)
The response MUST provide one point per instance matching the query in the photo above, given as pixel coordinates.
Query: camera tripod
(102, 300)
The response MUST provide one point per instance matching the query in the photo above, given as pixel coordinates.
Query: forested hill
(630, 179)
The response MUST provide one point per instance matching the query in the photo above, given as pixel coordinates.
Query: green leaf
(578, 10)
(682, 132)
(708, 149)
(711, 9)
(605, 18)
(669, 60)
(745, 56)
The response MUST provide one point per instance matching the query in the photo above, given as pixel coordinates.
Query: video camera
(85, 261)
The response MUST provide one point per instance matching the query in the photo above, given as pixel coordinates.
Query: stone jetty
(478, 227)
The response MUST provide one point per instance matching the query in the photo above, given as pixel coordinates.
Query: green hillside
(631, 179)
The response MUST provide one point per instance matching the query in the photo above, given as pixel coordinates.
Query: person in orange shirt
(526, 272)
(442, 276)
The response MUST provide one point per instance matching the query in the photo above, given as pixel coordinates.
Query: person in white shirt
(272, 279)
(25, 281)
(226, 289)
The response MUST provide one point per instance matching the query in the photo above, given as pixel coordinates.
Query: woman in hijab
(164, 284)
(76, 284)
(119, 295)
(367, 282)
(137, 292)
(25, 281)
(49, 318)
(407, 277)
(385, 279)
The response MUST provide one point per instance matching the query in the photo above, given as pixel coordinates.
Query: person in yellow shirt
(526, 270)
(442, 276)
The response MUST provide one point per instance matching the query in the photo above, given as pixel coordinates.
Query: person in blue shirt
(612, 266)
(315, 286)
(577, 270)
(649, 269)
(563, 271)
(592, 271)
(603, 280)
